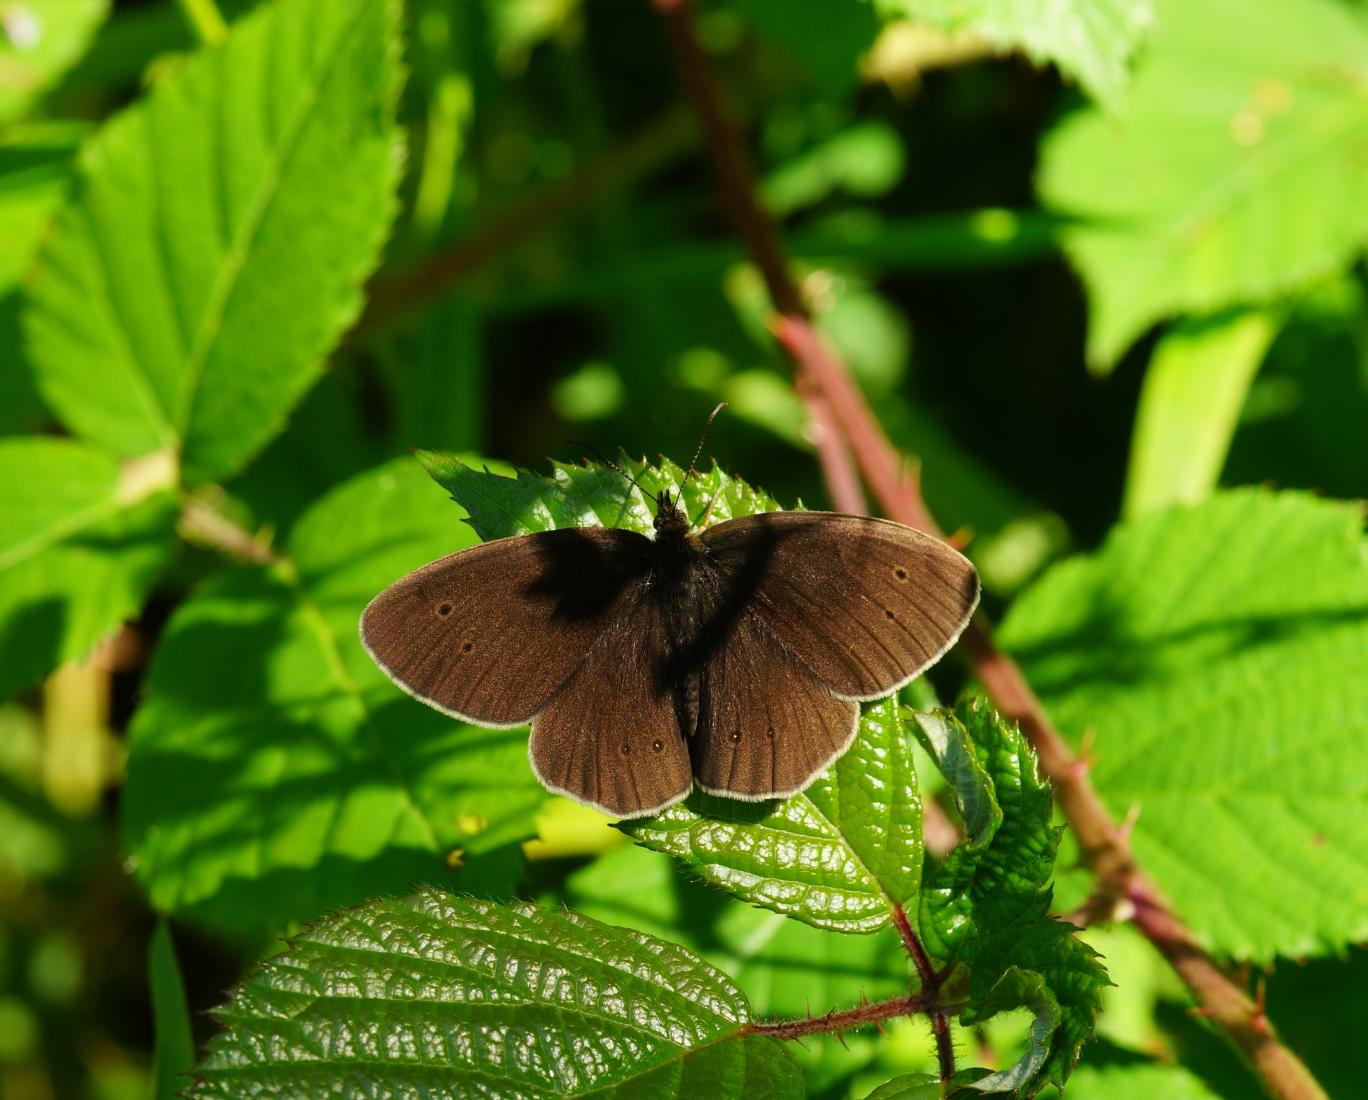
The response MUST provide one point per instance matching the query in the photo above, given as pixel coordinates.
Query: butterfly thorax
(670, 519)
(678, 584)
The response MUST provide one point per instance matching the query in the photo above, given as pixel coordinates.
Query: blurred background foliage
(1085, 259)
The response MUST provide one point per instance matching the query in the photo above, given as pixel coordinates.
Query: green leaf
(1218, 658)
(1194, 388)
(997, 876)
(588, 495)
(274, 771)
(1018, 988)
(909, 1086)
(1235, 172)
(439, 996)
(80, 544)
(1137, 1081)
(35, 165)
(1091, 40)
(947, 740)
(1045, 968)
(220, 229)
(927, 1086)
(785, 967)
(985, 904)
(39, 41)
(839, 855)
(174, 1053)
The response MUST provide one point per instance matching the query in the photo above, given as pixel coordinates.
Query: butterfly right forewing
(490, 633)
(863, 603)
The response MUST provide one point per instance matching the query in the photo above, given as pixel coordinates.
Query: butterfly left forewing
(488, 634)
(863, 603)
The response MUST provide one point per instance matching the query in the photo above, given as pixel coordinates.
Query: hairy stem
(930, 993)
(860, 1016)
(822, 380)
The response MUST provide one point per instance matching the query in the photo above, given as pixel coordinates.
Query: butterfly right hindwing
(766, 726)
(610, 736)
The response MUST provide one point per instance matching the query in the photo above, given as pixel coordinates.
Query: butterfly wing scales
(863, 603)
(766, 726)
(610, 735)
(488, 634)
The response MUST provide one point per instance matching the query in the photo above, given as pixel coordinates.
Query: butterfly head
(670, 518)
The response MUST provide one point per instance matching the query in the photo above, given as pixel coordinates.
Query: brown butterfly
(735, 657)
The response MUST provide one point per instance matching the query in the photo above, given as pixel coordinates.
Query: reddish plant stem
(765, 245)
(930, 993)
(1222, 999)
(840, 1020)
(822, 379)
(838, 471)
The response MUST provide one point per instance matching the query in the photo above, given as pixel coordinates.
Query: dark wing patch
(865, 604)
(490, 633)
(610, 737)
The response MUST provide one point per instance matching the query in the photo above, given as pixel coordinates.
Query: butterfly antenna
(693, 462)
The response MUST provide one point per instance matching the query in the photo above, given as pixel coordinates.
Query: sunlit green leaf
(213, 249)
(1217, 657)
(1043, 967)
(1091, 40)
(445, 997)
(39, 40)
(785, 967)
(996, 877)
(985, 904)
(80, 544)
(35, 163)
(1235, 172)
(1194, 387)
(586, 495)
(1137, 1081)
(839, 855)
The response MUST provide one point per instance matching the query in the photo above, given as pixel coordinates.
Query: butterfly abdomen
(674, 589)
